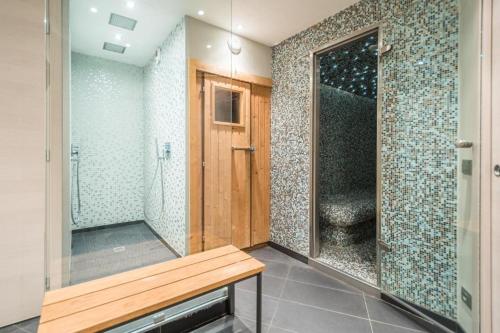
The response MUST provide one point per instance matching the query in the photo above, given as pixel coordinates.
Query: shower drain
(118, 249)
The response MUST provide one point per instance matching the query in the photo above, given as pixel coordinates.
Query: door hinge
(203, 164)
(47, 283)
(384, 49)
(46, 26)
(384, 246)
(47, 155)
(203, 238)
(47, 74)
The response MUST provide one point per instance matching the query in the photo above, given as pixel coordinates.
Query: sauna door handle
(250, 148)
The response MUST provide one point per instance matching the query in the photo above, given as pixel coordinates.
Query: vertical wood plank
(260, 163)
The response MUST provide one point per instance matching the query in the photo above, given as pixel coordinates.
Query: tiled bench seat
(348, 218)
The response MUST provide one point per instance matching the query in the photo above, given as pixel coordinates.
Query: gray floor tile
(30, 325)
(230, 324)
(301, 318)
(271, 286)
(325, 298)
(251, 324)
(11, 329)
(274, 329)
(312, 276)
(385, 328)
(386, 313)
(268, 253)
(245, 305)
(103, 252)
(276, 269)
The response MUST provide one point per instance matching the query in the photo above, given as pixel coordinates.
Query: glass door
(430, 161)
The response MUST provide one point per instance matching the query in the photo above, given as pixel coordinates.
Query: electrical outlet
(467, 298)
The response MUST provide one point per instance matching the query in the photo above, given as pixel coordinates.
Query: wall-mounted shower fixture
(167, 148)
(157, 56)
(75, 183)
(165, 151)
(160, 158)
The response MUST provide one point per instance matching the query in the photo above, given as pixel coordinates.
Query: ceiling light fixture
(118, 37)
(201, 12)
(240, 27)
(128, 45)
(93, 9)
(209, 46)
(130, 4)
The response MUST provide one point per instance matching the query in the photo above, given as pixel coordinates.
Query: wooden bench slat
(60, 295)
(91, 300)
(120, 311)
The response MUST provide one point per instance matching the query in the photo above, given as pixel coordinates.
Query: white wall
(22, 159)
(165, 101)
(107, 123)
(255, 58)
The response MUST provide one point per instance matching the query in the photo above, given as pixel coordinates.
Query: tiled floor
(359, 260)
(298, 298)
(102, 252)
(27, 326)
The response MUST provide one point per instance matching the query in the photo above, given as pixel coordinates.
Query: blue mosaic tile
(419, 127)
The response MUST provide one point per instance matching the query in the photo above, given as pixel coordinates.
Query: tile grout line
(367, 312)
(316, 285)
(398, 326)
(307, 305)
(289, 268)
(22, 329)
(329, 310)
(408, 313)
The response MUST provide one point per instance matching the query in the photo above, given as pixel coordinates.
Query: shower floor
(358, 260)
(100, 252)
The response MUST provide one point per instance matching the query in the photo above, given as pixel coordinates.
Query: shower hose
(159, 167)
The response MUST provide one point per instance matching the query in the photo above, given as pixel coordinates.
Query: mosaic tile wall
(165, 121)
(107, 123)
(347, 142)
(418, 158)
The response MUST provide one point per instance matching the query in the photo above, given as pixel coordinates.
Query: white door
(22, 159)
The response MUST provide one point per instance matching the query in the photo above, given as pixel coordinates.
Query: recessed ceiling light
(93, 9)
(130, 4)
(240, 27)
(113, 48)
(201, 12)
(128, 45)
(118, 37)
(209, 46)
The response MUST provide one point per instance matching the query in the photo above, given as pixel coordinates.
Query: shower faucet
(165, 151)
(75, 150)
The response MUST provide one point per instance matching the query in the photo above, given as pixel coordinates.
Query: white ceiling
(266, 21)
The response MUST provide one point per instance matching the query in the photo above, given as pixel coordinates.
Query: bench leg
(231, 299)
(259, 303)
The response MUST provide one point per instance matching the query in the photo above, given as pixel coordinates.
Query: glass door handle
(250, 148)
(463, 144)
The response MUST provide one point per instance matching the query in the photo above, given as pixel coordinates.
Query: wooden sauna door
(226, 161)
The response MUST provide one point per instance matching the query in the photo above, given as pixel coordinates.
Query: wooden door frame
(195, 139)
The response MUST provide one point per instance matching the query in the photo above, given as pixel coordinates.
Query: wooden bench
(108, 302)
